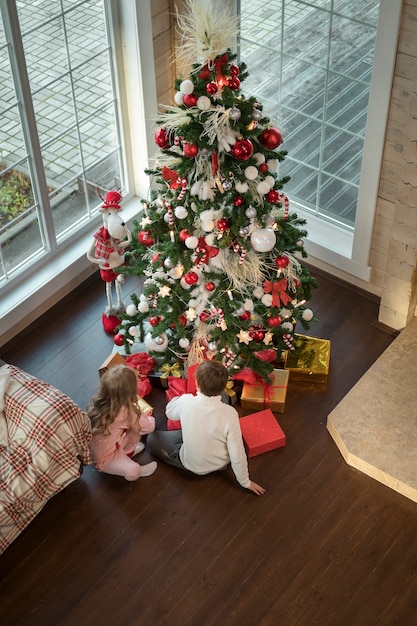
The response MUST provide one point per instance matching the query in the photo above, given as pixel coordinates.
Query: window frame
(66, 266)
(344, 248)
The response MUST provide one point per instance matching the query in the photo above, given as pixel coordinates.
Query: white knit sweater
(211, 435)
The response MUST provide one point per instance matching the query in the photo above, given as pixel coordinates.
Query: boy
(211, 437)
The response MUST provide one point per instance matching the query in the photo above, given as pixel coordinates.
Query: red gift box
(176, 387)
(261, 432)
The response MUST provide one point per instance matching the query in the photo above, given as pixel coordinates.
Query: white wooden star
(244, 337)
(164, 291)
(191, 314)
(145, 221)
(268, 338)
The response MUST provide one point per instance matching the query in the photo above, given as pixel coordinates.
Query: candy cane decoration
(220, 317)
(229, 357)
(170, 214)
(183, 183)
(287, 338)
(237, 247)
(283, 198)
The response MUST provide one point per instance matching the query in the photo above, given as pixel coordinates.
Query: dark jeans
(165, 445)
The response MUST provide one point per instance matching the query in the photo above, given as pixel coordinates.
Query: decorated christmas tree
(218, 244)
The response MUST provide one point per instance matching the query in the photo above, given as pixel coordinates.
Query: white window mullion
(27, 115)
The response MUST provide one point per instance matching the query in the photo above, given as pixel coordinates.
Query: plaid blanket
(48, 439)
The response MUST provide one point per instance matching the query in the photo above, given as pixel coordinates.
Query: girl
(118, 424)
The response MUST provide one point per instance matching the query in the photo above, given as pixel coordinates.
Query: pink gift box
(261, 432)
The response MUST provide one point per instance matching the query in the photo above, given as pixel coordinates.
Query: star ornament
(268, 338)
(145, 221)
(191, 314)
(164, 291)
(243, 336)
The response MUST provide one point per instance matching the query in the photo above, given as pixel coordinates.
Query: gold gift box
(259, 395)
(114, 359)
(310, 360)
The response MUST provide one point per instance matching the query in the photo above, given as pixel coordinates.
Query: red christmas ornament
(184, 234)
(239, 201)
(245, 316)
(154, 321)
(263, 167)
(118, 339)
(155, 257)
(256, 333)
(274, 321)
(190, 150)
(210, 286)
(182, 319)
(145, 238)
(190, 99)
(272, 196)
(223, 224)
(234, 70)
(204, 74)
(205, 316)
(191, 278)
(270, 138)
(211, 89)
(242, 149)
(161, 138)
(282, 261)
(233, 83)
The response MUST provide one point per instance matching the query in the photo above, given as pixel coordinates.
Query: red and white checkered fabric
(48, 438)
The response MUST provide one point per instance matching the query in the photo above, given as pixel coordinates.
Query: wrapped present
(144, 406)
(114, 359)
(310, 360)
(261, 432)
(191, 383)
(233, 390)
(161, 377)
(261, 395)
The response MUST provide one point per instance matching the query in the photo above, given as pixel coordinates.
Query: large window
(319, 71)
(60, 146)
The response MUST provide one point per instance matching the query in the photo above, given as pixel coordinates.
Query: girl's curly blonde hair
(118, 389)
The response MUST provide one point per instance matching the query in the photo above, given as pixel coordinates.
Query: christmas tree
(217, 243)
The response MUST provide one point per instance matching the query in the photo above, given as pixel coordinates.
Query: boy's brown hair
(211, 377)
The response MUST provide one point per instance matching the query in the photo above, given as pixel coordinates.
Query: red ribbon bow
(204, 252)
(278, 291)
(175, 181)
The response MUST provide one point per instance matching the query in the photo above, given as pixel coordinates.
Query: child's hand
(257, 489)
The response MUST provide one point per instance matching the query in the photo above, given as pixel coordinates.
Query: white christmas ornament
(143, 307)
(191, 242)
(307, 315)
(284, 313)
(179, 98)
(133, 331)
(263, 239)
(251, 172)
(287, 326)
(267, 299)
(258, 292)
(241, 187)
(270, 180)
(250, 212)
(184, 342)
(248, 305)
(180, 212)
(272, 165)
(263, 187)
(187, 86)
(159, 344)
(203, 103)
(131, 310)
(259, 158)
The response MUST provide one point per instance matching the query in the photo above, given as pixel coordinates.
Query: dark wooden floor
(325, 545)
